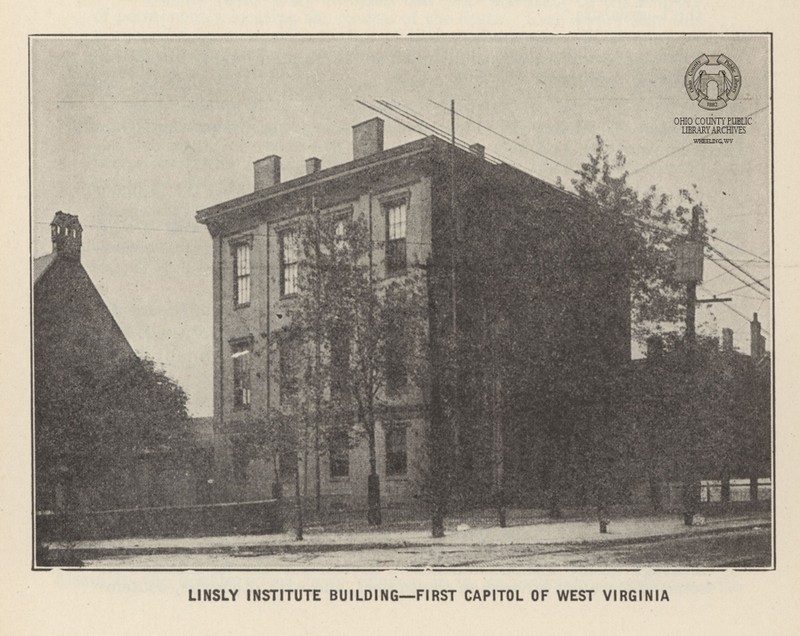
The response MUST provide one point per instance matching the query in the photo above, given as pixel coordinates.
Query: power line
(741, 269)
(633, 172)
(502, 136)
(747, 284)
(394, 119)
(715, 278)
(736, 311)
(491, 158)
(741, 249)
(438, 132)
(677, 150)
(740, 287)
(755, 262)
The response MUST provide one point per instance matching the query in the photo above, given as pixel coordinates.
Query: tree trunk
(277, 486)
(602, 518)
(305, 464)
(499, 449)
(317, 473)
(725, 489)
(298, 529)
(691, 492)
(438, 473)
(317, 368)
(754, 488)
(373, 481)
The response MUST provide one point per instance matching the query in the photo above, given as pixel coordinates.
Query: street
(734, 548)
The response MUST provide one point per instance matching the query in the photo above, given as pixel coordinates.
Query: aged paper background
(155, 602)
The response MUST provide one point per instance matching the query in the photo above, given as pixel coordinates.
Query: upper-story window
(290, 262)
(241, 274)
(340, 233)
(241, 374)
(395, 235)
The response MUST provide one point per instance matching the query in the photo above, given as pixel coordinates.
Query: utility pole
(373, 480)
(453, 208)
(317, 361)
(693, 275)
(496, 401)
(454, 411)
(438, 429)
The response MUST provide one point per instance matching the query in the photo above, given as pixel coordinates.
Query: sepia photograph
(419, 302)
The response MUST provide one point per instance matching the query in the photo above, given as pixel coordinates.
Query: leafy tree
(364, 332)
(648, 227)
(90, 426)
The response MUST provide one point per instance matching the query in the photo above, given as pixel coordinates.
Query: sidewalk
(626, 530)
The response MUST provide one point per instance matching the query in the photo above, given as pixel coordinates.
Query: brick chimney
(313, 164)
(478, 149)
(66, 233)
(757, 341)
(367, 138)
(267, 172)
(727, 339)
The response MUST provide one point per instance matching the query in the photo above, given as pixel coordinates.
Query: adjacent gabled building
(76, 340)
(522, 268)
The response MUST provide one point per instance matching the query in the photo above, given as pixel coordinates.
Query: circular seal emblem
(713, 81)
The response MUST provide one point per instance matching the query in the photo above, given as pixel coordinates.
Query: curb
(253, 550)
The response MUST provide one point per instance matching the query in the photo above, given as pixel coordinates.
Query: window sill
(241, 407)
(289, 296)
(241, 305)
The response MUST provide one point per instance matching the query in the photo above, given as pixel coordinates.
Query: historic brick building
(524, 271)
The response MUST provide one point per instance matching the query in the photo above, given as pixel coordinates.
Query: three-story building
(522, 275)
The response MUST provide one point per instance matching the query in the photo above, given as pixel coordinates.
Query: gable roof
(41, 265)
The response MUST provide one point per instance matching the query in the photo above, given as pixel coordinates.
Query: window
(241, 274)
(395, 236)
(396, 453)
(290, 258)
(241, 374)
(339, 455)
(289, 367)
(340, 234)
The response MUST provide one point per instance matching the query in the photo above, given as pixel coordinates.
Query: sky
(135, 134)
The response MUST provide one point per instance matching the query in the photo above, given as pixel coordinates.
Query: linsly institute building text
(523, 272)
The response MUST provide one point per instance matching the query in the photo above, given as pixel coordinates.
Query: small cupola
(66, 233)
